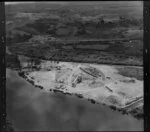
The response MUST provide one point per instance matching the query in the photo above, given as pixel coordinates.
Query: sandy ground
(115, 90)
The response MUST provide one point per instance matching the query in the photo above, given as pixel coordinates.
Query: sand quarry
(102, 83)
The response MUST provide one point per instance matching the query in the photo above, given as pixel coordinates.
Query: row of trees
(16, 38)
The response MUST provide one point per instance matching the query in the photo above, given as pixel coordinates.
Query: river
(33, 109)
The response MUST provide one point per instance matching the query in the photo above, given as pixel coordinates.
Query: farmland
(92, 50)
(70, 32)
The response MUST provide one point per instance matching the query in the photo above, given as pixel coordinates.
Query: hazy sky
(33, 2)
(139, 2)
(16, 2)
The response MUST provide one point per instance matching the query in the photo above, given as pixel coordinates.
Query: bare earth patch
(106, 85)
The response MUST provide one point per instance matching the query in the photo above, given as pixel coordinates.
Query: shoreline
(138, 116)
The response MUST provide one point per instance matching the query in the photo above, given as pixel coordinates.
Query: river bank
(32, 109)
(57, 77)
(52, 76)
(139, 115)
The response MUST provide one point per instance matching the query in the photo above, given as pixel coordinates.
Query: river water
(33, 109)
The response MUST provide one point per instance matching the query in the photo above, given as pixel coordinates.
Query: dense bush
(131, 72)
(12, 61)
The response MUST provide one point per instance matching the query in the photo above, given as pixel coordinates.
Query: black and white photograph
(74, 66)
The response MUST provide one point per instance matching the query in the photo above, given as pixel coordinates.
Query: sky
(137, 2)
(16, 2)
(31, 2)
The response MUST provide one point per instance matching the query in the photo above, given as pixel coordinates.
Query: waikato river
(33, 109)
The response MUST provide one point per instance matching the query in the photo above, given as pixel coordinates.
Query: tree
(31, 62)
(81, 29)
(122, 18)
(100, 22)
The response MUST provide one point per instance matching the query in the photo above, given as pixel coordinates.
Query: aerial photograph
(74, 66)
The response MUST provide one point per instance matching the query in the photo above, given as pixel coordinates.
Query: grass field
(74, 32)
(131, 72)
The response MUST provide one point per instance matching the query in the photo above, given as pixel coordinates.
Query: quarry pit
(97, 82)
